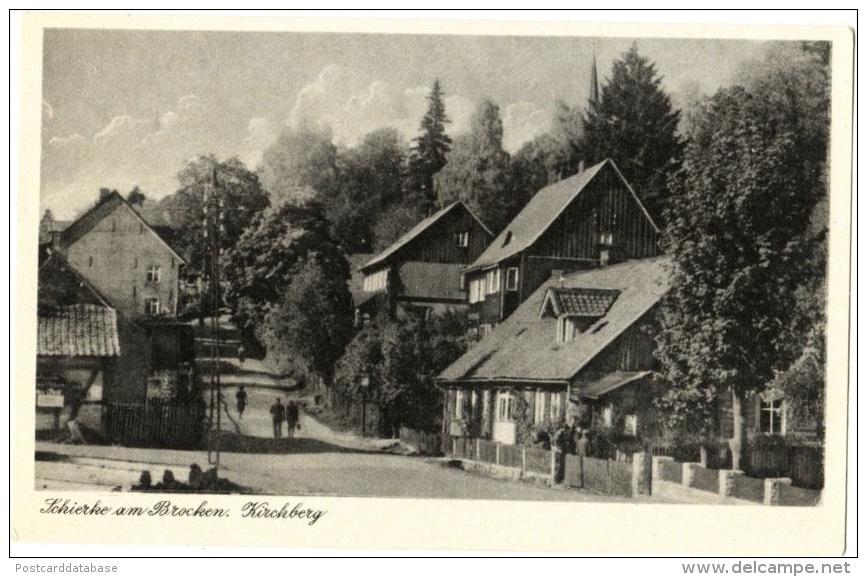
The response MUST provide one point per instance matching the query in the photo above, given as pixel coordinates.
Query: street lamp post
(365, 383)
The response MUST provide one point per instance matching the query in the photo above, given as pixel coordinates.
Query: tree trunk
(737, 441)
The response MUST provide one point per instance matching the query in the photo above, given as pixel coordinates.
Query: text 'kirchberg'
(264, 510)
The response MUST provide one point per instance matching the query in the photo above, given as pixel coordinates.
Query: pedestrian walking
(241, 398)
(242, 355)
(278, 413)
(291, 418)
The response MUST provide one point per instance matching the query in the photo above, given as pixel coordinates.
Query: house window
(459, 404)
(152, 307)
(153, 274)
(607, 416)
(565, 329)
(539, 412)
(512, 279)
(630, 425)
(772, 417)
(492, 281)
(556, 406)
(462, 239)
(505, 405)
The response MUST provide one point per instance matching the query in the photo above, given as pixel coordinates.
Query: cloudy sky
(124, 108)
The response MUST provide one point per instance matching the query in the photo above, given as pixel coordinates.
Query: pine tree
(428, 155)
(634, 124)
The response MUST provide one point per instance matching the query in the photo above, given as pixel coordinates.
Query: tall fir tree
(428, 154)
(634, 124)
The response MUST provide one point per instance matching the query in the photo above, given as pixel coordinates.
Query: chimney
(580, 167)
(557, 274)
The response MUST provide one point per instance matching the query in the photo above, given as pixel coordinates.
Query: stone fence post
(656, 468)
(772, 490)
(640, 474)
(688, 473)
(727, 482)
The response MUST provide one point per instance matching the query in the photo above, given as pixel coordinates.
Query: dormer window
(576, 309)
(462, 239)
(566, 329)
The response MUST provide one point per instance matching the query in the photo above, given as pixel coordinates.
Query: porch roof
(608, 383)
(80, 330)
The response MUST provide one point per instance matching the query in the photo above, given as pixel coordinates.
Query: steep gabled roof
(59, 283)
(105, 207)
(80, 330)
(541, 212)
(524, 347)
(415, 231)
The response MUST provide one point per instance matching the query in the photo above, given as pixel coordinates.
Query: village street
(317, 461)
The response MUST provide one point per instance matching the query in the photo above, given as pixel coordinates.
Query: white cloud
(522, 121)
(131, 151)
(261, 133)
(149, 152)
(352, 105)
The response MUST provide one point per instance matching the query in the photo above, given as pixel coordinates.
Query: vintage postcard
(432, 285)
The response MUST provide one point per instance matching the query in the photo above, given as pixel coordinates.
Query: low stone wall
(700, 485)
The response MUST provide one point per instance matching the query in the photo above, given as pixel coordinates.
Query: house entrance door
(504, 425)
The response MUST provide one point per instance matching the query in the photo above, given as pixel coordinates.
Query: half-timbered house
(590, 219)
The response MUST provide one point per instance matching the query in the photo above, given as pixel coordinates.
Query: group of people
(279, 413)
(568, 440)
(288, 413)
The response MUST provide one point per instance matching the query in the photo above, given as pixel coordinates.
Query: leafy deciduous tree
(740, 207)
(477, 170)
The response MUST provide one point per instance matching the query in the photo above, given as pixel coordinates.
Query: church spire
(594, 82)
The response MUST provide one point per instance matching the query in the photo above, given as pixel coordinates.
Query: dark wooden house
(591, 219)
(581, 347)
(422, 269)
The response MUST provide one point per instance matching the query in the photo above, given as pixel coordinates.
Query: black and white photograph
(277, 267)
